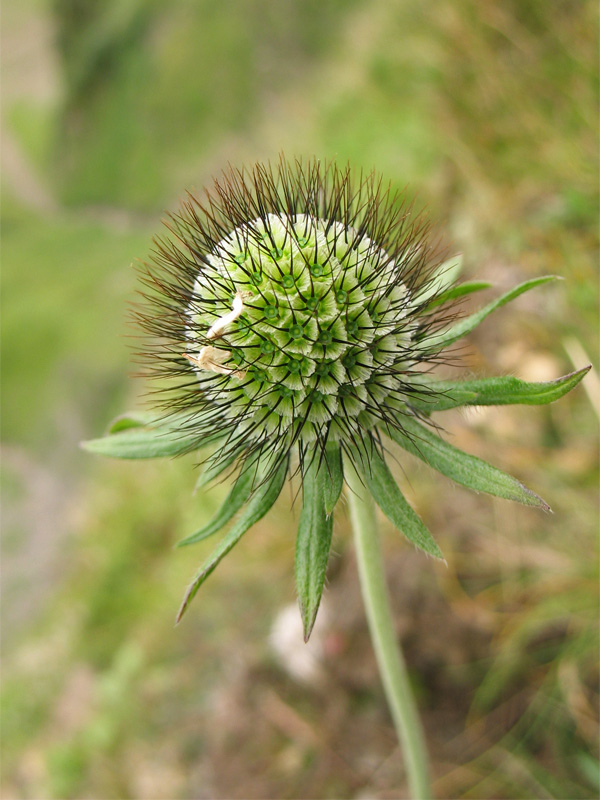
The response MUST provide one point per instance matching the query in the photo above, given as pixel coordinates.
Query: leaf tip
(438, 555)
(309, 617)
(308, 629)
(191, 591)
(181, 612)
(544, 505)
(537, 501)
(432, 551)
(581, 373)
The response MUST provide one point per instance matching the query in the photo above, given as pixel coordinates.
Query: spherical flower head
(296, 313)
(306, 319)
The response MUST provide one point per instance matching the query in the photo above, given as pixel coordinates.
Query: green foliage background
(113, 109)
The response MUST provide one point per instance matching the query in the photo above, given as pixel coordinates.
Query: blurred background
(111, 110)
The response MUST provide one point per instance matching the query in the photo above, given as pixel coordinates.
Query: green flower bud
(306, 280)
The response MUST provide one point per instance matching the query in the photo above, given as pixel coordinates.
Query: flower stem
(390, 660)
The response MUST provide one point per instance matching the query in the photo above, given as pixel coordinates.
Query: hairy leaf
(465, 469)
(144, 435)
(499, 391)
(313, 542)
(237, 497)
(392, 502)
(145, 443)
(332, 473)
(504, 391)
(466, 325)
(259, 505)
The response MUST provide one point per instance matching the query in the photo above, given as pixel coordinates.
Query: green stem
(392, 667)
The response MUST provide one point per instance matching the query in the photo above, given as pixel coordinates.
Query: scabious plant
(292, 317)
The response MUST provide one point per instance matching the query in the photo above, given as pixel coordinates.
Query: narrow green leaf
(313, 542)
(466, 325)
(502, 391)
(467, 470)
(144, 443)
(392, 502)
(333, 477)
(144, 435)
(259, 505)
(463, 289)
(237, 497)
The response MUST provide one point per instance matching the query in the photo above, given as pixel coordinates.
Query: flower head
(295, 309)
(292, 318)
